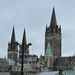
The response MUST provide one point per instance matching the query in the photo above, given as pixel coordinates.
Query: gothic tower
(12, 47)
(24, 47)
(53, 36)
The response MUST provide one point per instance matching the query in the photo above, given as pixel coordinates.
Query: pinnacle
(53, 19)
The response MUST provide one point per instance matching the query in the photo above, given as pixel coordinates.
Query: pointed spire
(24, 43)
(53, 19)
(24, 38)
(48, 50)
(13, 36)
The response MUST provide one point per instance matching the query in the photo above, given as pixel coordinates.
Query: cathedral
(52, 59)
(13, 51)
(53, 36)
(53, 51)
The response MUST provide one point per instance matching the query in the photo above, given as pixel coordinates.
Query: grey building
(12, 51)
(25, 48)
(54, 60)
(53, 36)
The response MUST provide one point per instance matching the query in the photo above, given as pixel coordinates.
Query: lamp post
(2, 68)
(29, 44)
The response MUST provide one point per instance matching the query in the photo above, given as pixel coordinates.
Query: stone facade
(52, 59)
(15, 51)
(24, 47)
(12, 47)
(4, 65)
(53, 36)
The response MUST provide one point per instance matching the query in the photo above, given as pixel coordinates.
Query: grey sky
(33, 16)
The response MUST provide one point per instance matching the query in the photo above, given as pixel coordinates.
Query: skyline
(33, 16)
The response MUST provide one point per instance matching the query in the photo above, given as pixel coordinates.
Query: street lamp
(2, 68)
(29, 44)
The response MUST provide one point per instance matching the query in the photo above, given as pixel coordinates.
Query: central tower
(53, 36)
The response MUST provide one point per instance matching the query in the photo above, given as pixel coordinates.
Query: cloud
(33, 16)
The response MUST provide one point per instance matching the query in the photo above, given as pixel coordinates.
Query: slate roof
(3, 60)
(25, 61)
(72, 58)
(62, 61)
(32, 55)
(48, 50)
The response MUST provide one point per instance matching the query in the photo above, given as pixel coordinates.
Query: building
(14, 55)
(14, 51)
(12, 47)
(53, 36)
(4, 65)
(24, 47)
(53, 58)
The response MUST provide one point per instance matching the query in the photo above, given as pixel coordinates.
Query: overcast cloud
(33, 15)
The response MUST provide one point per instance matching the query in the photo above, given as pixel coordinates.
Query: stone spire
(48, 50)
(24, 43)
(13, 46)
(53, 22)
(13, 39)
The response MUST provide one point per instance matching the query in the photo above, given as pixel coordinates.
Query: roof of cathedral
(12, 44)
(48, 50)
(24, 43)
(13, 39)
(24, 38)
(64, 61)
(3, 60)
(53, 19)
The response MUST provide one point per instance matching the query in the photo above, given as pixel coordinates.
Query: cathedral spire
(13, 36)
(12, 47)
(53, 19)
(48, 50)
(24, 43)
